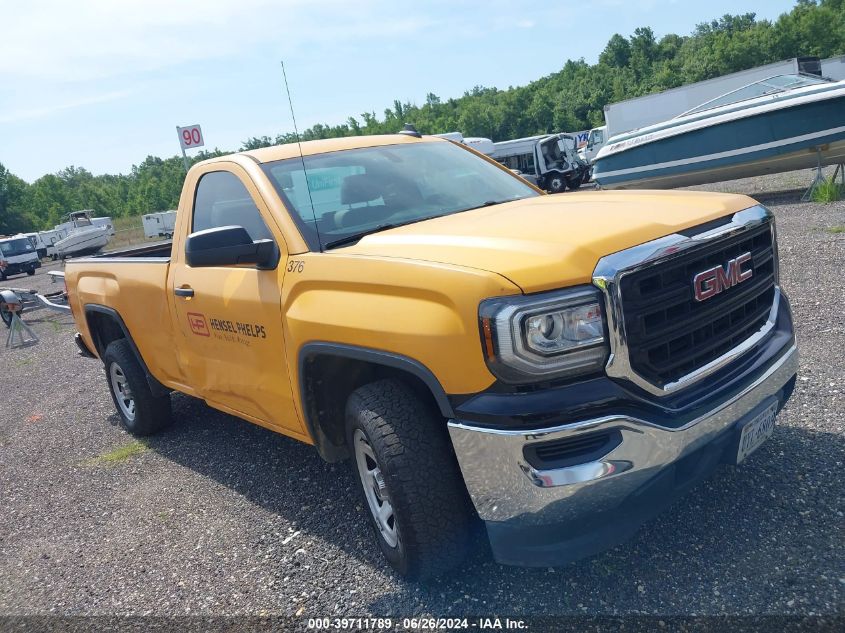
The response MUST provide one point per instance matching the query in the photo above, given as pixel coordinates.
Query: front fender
(423, 311)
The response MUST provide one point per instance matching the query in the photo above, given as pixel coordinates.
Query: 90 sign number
(190, 136)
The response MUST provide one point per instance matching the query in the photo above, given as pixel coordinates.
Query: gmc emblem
(714, 280)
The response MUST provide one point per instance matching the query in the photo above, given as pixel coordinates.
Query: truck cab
(595, 141)
(549, 161)
(17, 255)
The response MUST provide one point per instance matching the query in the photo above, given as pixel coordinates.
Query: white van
(159, 224)
(17, 255)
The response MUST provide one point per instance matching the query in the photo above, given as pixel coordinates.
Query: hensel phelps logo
(254, 330)
(198, 324)
(714, 280)
(202, 327)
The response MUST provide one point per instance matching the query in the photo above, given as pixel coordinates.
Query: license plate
(757, 431)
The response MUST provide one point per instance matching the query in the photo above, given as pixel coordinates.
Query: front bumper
(20, 268)
(541, 517)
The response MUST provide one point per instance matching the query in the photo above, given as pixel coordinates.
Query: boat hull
(84, 243)
(786, 139)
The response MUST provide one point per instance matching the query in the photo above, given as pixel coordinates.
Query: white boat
(84, 237)
(778, 124)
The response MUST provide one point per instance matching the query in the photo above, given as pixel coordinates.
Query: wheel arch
(106, 325)
(330, 372)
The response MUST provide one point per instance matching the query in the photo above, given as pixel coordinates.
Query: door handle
(183, 292)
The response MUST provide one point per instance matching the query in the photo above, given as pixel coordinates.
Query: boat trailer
(13, 301)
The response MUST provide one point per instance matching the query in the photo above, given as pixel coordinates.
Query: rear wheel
(141, 412)
(574, 183)
(30, 272)
(408, 477)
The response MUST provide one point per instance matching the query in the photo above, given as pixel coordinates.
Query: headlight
(540, 337)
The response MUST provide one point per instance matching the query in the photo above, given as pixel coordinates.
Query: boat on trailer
(84, 237)
(782, 123)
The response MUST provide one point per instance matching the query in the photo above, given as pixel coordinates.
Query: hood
(550, 242)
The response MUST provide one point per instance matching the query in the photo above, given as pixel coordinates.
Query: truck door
(230, 317)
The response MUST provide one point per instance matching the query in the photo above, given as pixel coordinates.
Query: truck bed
(157, 250)
(132, 283)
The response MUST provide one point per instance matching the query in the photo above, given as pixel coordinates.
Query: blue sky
(102, 83)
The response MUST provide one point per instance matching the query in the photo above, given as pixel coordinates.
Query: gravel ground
(217, 516)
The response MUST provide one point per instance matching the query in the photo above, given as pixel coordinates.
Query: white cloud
(37, 112)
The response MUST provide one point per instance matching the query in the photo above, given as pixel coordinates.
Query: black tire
(555, 184)
(30, 272)
(574, 183)
(6, 316)
(432, 513)
(151, 413)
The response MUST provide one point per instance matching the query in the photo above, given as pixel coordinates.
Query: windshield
(20, 246)
(362, 190)
(772, 85)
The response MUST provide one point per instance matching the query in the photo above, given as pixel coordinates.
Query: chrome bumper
(504, 487)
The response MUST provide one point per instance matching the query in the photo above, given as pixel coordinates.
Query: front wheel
(574, 183)
(408, 477)
(141, 412)
(556, 184)
(30, 272)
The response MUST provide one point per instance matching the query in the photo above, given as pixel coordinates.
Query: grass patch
(836, 229)
(827, 191)
(120, 454)
(23, 362)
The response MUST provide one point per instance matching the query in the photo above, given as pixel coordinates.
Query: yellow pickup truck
(560, 367)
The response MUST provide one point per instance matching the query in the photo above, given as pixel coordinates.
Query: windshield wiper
(488, 203)
(351, 239)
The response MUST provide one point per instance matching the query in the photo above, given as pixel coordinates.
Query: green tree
(617, 53)
(12, 194)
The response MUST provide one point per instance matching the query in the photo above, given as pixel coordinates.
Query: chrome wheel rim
(375, 489)
(122, 391)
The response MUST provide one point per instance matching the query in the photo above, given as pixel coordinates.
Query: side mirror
(229, 246)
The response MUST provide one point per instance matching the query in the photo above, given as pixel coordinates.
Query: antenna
(301, 157)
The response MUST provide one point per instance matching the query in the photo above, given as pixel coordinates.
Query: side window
(222, 200)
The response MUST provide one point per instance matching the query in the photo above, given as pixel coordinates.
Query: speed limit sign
(190, 136)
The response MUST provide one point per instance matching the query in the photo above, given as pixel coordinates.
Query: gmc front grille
(669, 333)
